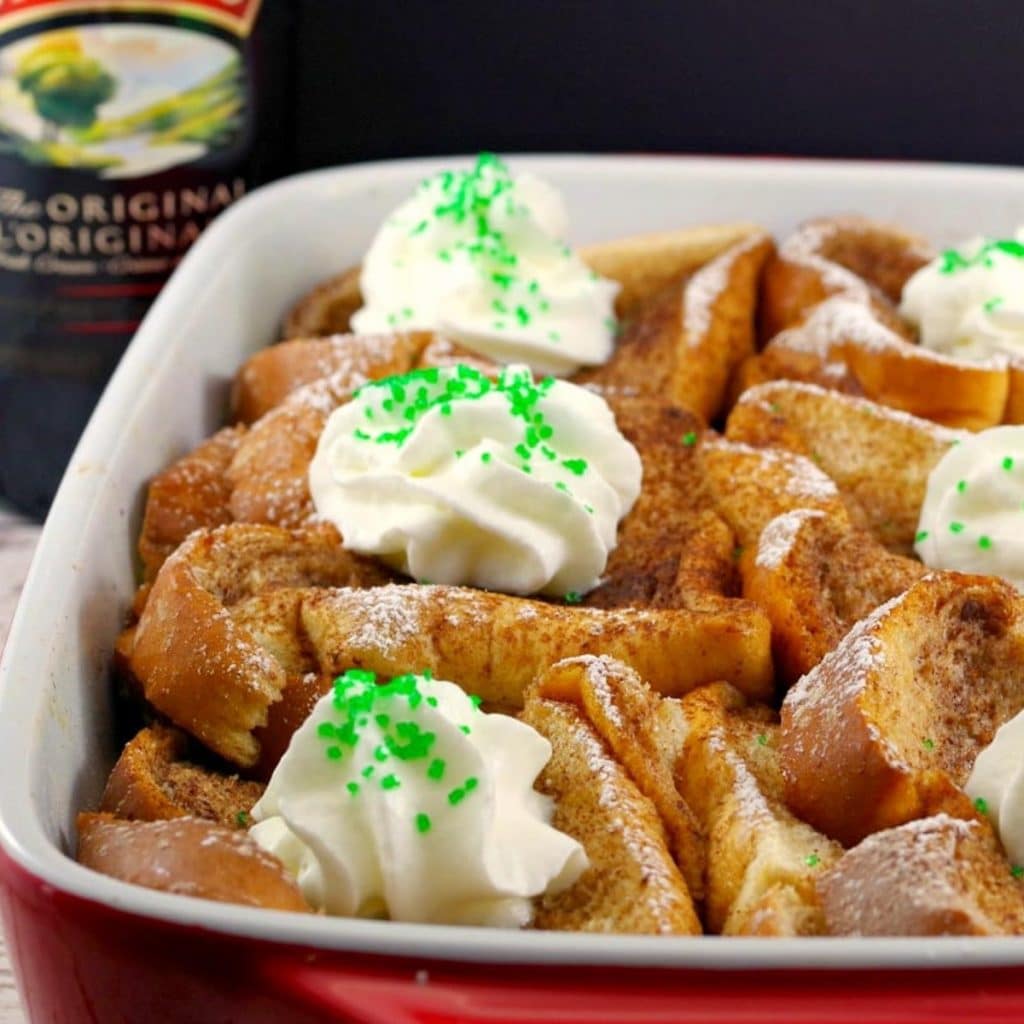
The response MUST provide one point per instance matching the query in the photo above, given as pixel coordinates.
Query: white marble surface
(17, 542)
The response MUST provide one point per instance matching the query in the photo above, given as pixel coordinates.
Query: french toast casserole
(710, 542)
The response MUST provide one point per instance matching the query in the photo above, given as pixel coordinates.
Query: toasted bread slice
(632, 883)
(154, 779)
(815, 575)
(761, 861)
(850, 256)
(208, 673)
(687, 343)
(266, 379)
(190, 857)
(887, 727)
(749, 487)
(191, 494)
(878, 457)
(846, 345)
(672, 548)
(624, 711)
(933, 876)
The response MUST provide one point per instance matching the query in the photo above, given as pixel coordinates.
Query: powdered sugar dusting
(778, 536)
(706, 286)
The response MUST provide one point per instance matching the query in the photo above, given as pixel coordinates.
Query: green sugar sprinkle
(956, 527)
(920, 536)
(953, 261)
(1008, 463)
(573, 597)
(812, 860)
(762, 739)
(359, 699)
(981, 805)
(690, 438)
(1017, 871)
(242, 819)
(993, 304)
(468, 201)
(961, 486)
(928, 744)
(984, 542)
(397, 404)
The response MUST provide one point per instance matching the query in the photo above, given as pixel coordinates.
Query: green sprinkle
(242, 819)
(928, 744)
(456, 796)
(485, 456)
(334, 753)
(367, 772)
(993, 304)
(390, 782)
(353, 788)
(470, 784)
(465, 728)
(961, 486)
(762, 739)
(476, 700)
(576, 466)
(432, 702)
(981, 805)
(436, 769)
(920, 536)
(690, 438)
(1008, 463)
(422, 823)
(573, 597)
(984, 542)
(812, 860)
(956, 527)
(1017, 871)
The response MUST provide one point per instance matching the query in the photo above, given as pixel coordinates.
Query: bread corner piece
(632, 884)
(934, 876)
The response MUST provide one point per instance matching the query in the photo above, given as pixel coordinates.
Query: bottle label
(124, 125)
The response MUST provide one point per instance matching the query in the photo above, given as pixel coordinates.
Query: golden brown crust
(191, 494)
(631, 884)
(189, 857)
(154, 780)
(877, 734)
(934, 876)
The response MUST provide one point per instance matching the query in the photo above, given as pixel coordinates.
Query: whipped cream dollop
(972, 519)
(403, 799)
(996, 785)
(479, 256)
(451, 477)
(969, 301)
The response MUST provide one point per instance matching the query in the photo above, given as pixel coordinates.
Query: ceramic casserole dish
(86, 947)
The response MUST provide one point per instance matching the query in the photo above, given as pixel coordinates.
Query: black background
(922, 79)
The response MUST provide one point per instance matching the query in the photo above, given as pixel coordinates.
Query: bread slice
(878, 457)
(189, 857)
(687, 343)
(887, 727)
(154, 779)
(761, 861)
(632, 883)
(933, 876)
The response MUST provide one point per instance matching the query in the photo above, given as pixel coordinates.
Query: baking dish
(87, 947)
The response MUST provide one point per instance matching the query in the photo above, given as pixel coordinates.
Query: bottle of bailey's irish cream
(125, 127)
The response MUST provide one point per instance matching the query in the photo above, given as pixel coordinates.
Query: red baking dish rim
(78, 960)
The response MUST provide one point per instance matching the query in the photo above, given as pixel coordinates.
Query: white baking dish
(226, 300)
